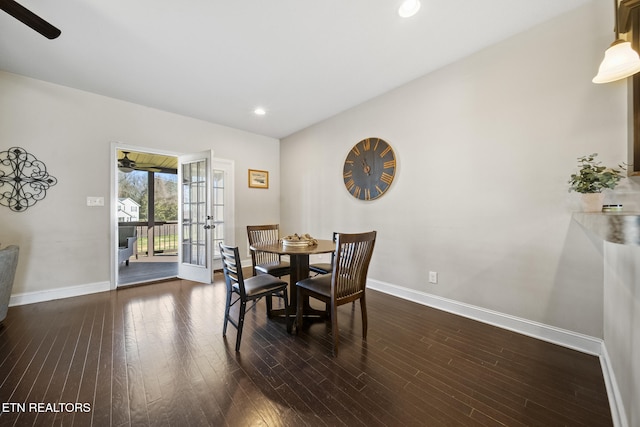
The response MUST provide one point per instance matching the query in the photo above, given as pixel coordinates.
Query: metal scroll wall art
(24, 180)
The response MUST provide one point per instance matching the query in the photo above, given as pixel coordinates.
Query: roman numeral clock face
(369, 169)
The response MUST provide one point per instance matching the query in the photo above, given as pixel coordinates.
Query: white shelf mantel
(616, 227)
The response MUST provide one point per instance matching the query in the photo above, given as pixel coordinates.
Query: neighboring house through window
(128, 210)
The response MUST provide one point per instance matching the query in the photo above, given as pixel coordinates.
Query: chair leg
(243, 308)
(226, 314)
(269, 302)
(363, 310)
(299, 309)
(286, 310)
(334, 327)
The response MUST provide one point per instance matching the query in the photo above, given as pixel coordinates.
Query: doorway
(148, 202)
(147, 216)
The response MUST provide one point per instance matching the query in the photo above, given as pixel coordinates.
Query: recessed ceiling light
(408, 8)
(259, 111)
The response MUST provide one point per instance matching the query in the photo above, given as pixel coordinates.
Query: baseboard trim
(616, 403)
(59, 293)
(559, 336)
(563, 337)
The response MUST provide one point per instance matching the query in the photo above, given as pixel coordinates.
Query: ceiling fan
(125, 164)
(29, 18)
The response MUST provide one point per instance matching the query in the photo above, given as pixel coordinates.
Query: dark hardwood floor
(154, 355)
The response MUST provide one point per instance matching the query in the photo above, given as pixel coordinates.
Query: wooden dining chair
(324, 267)
(265, 262)
(250, 289)
(346, 283)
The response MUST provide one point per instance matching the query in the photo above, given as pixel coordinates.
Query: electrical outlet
(433, 277)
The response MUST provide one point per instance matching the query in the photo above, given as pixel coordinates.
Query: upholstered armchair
(8, 265)
(126, 242)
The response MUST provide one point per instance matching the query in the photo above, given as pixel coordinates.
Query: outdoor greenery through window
(134, 185)
(133, 206)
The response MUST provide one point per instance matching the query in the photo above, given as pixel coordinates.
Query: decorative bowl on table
(300, 241)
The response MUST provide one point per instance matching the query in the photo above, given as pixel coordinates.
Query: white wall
(485, 147)
(63, 242)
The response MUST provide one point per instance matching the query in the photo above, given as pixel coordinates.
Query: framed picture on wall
(258, 179)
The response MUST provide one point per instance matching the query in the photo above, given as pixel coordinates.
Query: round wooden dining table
(299, 261)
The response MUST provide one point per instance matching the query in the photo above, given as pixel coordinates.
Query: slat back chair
(324, 267)
(250, 289)
(265, 262)
(346, 283)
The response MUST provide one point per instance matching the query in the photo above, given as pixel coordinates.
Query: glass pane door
(195, 252)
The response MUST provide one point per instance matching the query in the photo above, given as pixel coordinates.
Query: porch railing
(165, 236)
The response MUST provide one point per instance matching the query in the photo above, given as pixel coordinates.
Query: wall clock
(369, 169)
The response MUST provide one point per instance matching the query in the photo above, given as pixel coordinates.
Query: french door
(223, 207)
(195, 217)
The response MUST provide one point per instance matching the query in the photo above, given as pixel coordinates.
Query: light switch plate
(95, 201)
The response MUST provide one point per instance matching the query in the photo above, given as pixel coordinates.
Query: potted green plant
(591, 179)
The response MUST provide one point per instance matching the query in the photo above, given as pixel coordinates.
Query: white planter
(592, 202)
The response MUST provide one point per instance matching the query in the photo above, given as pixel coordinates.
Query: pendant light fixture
(620, 60)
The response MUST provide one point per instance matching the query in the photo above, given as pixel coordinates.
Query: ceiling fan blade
(154, 168)
(29, 18)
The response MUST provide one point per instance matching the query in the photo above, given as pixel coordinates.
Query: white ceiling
(217, 60)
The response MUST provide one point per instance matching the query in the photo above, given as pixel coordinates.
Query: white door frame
(228, 166)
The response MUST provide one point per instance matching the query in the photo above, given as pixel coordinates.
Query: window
(218, 210)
